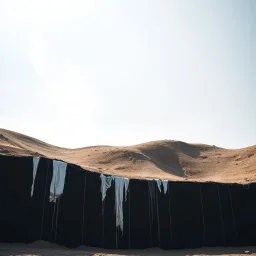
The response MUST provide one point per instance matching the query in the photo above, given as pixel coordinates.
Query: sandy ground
(41, 248)
(166, 159)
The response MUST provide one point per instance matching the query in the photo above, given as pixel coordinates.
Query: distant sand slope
(166, 159)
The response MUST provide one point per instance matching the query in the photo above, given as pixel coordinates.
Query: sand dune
(166, 159)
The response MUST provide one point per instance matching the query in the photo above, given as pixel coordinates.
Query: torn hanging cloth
(35, 165)
(120, 185)
(152, 198)
(126, 187)
(58, 180)
(106, 182)
(159, 184)
(164, 183)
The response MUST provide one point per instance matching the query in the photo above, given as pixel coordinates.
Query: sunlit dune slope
(165, 159)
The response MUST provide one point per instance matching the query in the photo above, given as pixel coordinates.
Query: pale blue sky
(81, 73)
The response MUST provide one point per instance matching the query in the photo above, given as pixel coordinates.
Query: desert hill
(165, 159)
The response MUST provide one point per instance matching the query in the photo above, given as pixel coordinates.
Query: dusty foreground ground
(46, 249)
(165, 159)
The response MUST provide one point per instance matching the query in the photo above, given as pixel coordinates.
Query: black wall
(189, 215)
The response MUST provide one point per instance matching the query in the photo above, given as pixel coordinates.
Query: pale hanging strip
(105, 184)
(164, 183)
(35, 165)
(152, 199)
(58, 180)
(158, 182)
(120, 185)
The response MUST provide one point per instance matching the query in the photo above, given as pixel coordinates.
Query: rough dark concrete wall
(212, 214)
(228, 228)
(15, 184)
(108, 220)
(188, 215)
(64, 220)
(243, 201)
(38, 201)
(140, 225)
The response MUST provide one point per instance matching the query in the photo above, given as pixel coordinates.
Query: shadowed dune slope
(165, 159)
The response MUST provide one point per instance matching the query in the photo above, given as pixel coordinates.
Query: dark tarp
(190, 214)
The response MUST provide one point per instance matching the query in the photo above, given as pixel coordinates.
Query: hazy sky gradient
(80, 73)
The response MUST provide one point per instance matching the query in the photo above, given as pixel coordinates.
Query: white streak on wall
(35, 165)
(159, 184)
(106, 182)
(164, 183)
(126, 186)
(58, 180)
(120, 185)
(152, 199)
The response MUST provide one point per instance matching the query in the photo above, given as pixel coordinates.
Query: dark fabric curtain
(189, 215)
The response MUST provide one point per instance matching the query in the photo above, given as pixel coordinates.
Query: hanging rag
(164, 183)
(120, 185)
(159, 182)
(106, 182)
(152, 198)
(58, 180)
(35, 165)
